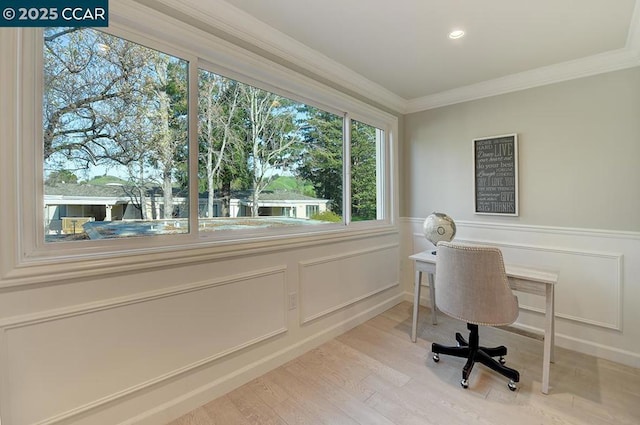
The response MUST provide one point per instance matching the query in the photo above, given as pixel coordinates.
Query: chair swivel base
(477, 354)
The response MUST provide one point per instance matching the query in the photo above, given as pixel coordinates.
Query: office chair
(471, 285)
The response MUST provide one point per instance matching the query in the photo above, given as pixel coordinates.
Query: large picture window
(264, 159)
(121, 138)
(115, 138)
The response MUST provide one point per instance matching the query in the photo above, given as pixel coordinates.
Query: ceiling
(401, 49)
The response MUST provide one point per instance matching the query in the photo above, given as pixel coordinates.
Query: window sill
(55, 269)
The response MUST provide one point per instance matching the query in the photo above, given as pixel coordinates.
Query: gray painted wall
(579, 154)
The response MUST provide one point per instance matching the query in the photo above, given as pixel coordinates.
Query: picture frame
(495, 175)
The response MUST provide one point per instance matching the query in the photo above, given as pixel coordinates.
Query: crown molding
(597, 64)
(614, 60)
(235, 23)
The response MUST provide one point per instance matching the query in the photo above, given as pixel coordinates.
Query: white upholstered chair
(471, 285)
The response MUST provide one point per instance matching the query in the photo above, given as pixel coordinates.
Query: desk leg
(432, 293)
(549, 331)
(416, 305)
(551, 295)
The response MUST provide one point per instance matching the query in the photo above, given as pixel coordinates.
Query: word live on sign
(495, 175)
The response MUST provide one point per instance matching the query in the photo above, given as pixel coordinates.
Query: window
(366, 144)
(312, 210)
(115, 137)
(263, 155)
(139, 143)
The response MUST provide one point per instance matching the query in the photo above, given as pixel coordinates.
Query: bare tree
(111, 101)
(271, 136)
(91, 79)
(218, 104)
(165, 140)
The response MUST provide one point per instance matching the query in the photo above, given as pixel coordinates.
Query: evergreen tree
(321, 158)
(363, 171)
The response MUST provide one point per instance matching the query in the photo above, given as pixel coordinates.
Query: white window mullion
(192, 96)
(346, 161)
(32, 153)
(380, 173)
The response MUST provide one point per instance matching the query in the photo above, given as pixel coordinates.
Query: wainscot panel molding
(334, 282)
(598, 279)
(199, 396)
(62, 363)
(599, 275)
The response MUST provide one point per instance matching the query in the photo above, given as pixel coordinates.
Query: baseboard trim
(199, 396)
(591, 348)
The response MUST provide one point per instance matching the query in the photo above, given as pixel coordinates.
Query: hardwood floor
(374, 375)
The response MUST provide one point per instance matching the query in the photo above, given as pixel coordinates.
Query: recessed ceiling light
(456, 34)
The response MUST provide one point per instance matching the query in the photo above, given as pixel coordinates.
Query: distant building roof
(277, 195)
(85, 190)
(89, 190)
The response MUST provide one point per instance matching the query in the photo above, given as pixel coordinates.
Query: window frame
(38, 152)
(37, 261)
(383, 164)
(209, 66)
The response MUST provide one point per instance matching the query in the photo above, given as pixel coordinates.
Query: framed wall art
(495, 175)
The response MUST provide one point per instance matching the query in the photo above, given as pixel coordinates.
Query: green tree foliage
(61, 176)
(320, 160)
(177, 90)
(106, 179)
(292, 184)
(363, 171)
(329, 216)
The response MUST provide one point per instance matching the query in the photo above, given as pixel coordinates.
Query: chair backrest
(471, 285)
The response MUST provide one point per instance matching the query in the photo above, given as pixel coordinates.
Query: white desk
(524, 279)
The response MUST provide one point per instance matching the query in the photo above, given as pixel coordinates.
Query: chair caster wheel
(464, 383)
(436, 357)
(502, 360)
(512, 386)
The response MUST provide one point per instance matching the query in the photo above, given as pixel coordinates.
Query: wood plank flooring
(374, 375)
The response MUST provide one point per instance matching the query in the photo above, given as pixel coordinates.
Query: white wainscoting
(331, 283)
(599, 275)
(62, 363)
